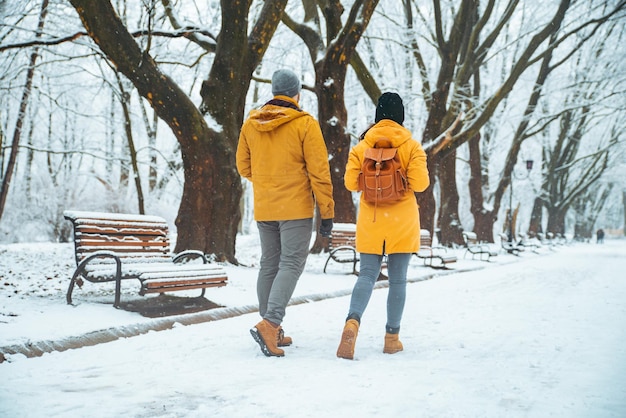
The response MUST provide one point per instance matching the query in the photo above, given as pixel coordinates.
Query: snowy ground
(532, 336)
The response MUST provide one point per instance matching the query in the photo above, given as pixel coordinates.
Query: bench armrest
(190, 253)
(81, 268)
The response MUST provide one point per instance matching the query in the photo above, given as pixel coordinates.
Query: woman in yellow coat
(391, 229)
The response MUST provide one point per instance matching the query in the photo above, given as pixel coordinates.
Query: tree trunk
(17, 133)
(449, 223)
(330, 76)
(124, 101)
(202, 176)
(536, 218)
(483, 219)
(151, 132)
(333, 118)
(556, 220)
(223, 99)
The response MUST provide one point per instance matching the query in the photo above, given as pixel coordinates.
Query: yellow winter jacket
(282, 152)
(396, 227)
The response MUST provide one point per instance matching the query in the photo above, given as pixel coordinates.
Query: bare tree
(568, 170)
(462, 54)
(587, 209)
(209, 211)
(17, 132)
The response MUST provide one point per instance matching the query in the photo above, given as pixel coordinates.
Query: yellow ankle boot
(392, 343)
(266, 335)
(348, 339)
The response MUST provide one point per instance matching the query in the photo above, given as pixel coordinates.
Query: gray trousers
(397, 267)
(284, 250)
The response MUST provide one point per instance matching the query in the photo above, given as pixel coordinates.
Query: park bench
(476, 248)
(433, 256)
(341, 248)
(532, 244)
(510, 247)
(115, 247)
(545, 241)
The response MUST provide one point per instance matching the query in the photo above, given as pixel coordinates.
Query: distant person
(391, 228)
(600, 236)
(282, 152)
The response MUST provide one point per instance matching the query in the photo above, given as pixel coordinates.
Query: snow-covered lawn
(531, 336)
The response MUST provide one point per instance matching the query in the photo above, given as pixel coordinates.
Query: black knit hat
(390, 107)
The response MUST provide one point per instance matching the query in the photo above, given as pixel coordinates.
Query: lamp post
(529, 167)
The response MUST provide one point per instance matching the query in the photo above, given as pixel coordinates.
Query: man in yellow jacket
(391, 228)
(282, 152)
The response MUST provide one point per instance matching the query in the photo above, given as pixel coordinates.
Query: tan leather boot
(283, 340)
(266, 335)
(392, 343)
(348, 339)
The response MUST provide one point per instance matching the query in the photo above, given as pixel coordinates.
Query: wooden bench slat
(127, 252)
(168, 282)
(132, 255)
(122, 229)
(122, 243)
(160, 268)
(182, 274)
(147, 288)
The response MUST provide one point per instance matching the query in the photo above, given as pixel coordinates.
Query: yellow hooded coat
(390, 227)
(282, 152)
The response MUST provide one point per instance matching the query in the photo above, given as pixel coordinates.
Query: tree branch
(186, 32)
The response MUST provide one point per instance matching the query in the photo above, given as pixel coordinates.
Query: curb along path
(37, 349)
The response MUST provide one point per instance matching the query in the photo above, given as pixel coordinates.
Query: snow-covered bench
(510, 246)
(434, 257)
(114, 247)
(474, 247)
(342, 246)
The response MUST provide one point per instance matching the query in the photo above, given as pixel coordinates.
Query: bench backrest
(470, 238)
(343, 234)
(128, 236)
(425, 238)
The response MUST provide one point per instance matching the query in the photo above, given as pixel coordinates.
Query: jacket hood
(386, 128)
(271, 116)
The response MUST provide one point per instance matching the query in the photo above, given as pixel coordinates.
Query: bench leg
(70, 289)
(118, 283)
(325, 265)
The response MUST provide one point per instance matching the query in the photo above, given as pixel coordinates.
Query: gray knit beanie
(285, 83)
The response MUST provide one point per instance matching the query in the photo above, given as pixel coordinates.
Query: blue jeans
(284, 250)
(397, 266)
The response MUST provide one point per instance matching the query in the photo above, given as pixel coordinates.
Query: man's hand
(326, 227)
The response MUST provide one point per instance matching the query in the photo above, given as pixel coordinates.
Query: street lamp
(529, 167)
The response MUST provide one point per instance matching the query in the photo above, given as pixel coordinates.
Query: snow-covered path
(545, 336)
